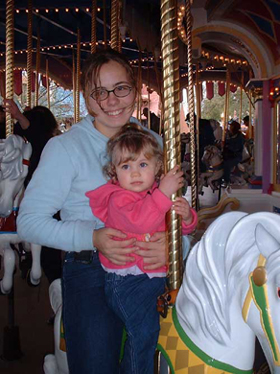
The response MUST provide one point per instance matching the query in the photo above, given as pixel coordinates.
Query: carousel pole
(48, 83)
(139, 100)
(149, 96)
(29, 54)
(250, 114)
(194, 191)
(104, 24)
(9, 61)
(115, 19)
(198, 116)
(37, 83)
(93, 28)
(226, 105)
(77, 119)
(74, 83)
(171, 87)
(241, 88)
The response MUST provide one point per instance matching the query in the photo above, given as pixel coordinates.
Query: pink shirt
(138, 214)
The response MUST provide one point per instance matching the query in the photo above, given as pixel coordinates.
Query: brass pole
(250, 114)
(198, 116)
(9, 88)
(149, 98)
(78, 75)
(241, 88)
(139, 101)
(226, 105)
(48, 83)
(37, 83)
(171, 84)
(93, 26)
(29, 54)
(74, 84)
(104, 23)
(191, 104)
(115, 24)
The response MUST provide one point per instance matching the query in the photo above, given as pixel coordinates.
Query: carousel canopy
(239, 35)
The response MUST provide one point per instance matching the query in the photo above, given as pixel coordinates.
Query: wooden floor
(32, 311)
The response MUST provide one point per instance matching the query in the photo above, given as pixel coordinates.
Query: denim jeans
(93, 333)
(134, 299)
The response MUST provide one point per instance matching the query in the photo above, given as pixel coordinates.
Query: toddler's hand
(182, 207)
(172, 181)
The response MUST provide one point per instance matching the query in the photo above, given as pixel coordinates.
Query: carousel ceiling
(59, 20)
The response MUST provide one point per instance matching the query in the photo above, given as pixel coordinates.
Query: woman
(233, 149)
(71, 164)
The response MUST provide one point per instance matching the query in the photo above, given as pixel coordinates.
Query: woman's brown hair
(91, 71)
(132, 140)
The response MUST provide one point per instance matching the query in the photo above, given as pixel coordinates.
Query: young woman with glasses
(71, 165)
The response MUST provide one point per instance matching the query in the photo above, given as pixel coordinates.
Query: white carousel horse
(230, 294)
(14, 159)
(57, 363)
(213, 158)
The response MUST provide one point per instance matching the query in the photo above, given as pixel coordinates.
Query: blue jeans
(134, 299)
(93, 333)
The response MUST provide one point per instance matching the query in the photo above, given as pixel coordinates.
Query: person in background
(37, 125)
(155, 120)
(71, 164)
(233, 149)
(206, 137)
(135, 201)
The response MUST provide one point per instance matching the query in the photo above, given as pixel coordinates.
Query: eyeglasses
(101, 94)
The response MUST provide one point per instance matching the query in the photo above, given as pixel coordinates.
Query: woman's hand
(114, 250)
(154, 253)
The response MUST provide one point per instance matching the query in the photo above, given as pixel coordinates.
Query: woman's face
(114, 112)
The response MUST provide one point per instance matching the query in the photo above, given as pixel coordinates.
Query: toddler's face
(137, 175)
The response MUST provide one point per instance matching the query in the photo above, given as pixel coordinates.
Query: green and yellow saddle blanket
(183, 356)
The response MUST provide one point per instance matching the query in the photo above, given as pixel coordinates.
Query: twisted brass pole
(48, 83)
(74, 83)
(171, 108)
(93, 26)
(104, 23)
(226, 105)
(29, 53)
(78, 76)
(9, 61)
(37, 67)
(191, 104)
(115, 24)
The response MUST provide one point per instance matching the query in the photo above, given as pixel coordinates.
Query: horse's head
(212, 155)
(262, 305)
(14, 156)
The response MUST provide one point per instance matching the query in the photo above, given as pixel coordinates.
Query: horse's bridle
(258, 294)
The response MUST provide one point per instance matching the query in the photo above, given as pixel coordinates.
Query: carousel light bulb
(87, 9)
(17, 10)
(66, 10)
(98, 9)
(76, 10)
(56, 10)
(37, 10)
(26, 10)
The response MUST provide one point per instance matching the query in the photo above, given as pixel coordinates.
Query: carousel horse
(229, 296)
(213, 158)
(14, 159)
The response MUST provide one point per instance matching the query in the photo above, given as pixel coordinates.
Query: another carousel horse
(229, 296)
(213, 158)
(14, 159)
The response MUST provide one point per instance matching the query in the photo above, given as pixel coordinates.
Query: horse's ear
(266, 243)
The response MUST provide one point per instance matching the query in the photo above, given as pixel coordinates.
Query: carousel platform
(32, 311)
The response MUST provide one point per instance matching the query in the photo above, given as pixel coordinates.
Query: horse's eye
(278, 292)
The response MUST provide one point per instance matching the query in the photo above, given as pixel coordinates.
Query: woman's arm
(45, 195)
(11, 107)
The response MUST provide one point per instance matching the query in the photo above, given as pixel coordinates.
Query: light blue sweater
(71, 164)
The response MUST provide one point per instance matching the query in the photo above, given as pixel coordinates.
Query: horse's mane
(214, 268)
(11, 156)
